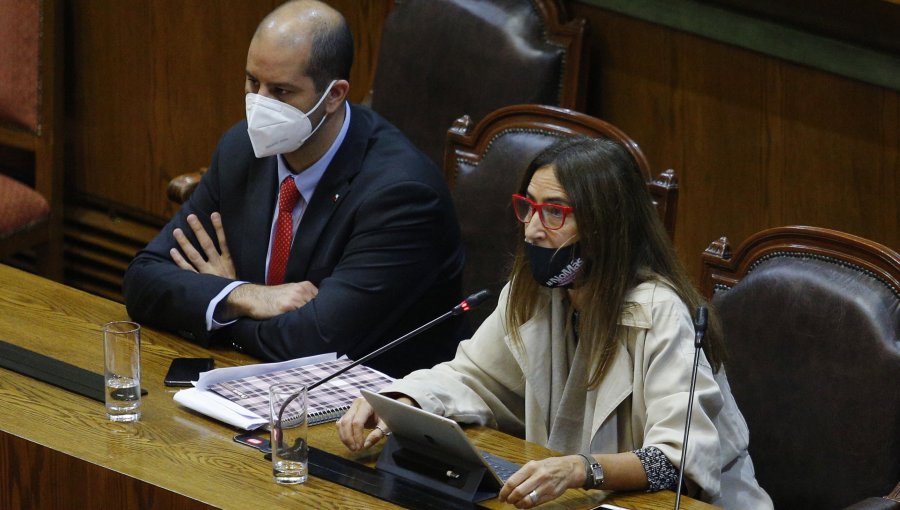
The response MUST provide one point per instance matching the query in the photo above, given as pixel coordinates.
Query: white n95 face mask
(276, 127)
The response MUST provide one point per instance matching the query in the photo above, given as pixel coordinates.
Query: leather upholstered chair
(811, 319)
(483, 165)
(442, 59)
(889, 502)
(30, 132)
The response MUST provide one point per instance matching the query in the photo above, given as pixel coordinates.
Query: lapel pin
(335, 198)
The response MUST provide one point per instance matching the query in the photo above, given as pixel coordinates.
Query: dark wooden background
(756, 142)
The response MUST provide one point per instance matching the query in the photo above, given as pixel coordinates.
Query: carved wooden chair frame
(468, 143)
(722, 268)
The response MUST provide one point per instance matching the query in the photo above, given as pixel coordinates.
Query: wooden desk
(58, 450)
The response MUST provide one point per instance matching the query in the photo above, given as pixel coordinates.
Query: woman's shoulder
(653, 289)
(652, 298)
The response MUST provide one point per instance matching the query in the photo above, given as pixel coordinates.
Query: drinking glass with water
(122, 370)
(288, 422)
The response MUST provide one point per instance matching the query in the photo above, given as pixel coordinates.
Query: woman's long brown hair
(623, 243)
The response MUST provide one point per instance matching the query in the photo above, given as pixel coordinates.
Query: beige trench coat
(641, 402)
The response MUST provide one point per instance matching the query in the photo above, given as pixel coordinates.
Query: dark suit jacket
(379, 239)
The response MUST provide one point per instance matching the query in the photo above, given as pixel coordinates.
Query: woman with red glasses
(589, 351)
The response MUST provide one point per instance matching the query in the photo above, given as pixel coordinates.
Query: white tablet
(443, 434)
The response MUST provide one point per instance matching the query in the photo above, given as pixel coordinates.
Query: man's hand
(219, 264)
(262, 302)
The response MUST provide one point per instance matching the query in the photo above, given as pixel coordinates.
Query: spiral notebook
(327, 402)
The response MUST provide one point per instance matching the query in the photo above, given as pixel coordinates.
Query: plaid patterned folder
(327, 402)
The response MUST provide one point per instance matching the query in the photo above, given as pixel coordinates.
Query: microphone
(464, 306)
(700, 324)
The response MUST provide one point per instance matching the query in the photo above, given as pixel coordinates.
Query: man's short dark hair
(331, 55)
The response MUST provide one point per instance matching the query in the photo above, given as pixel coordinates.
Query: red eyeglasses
(553, 216)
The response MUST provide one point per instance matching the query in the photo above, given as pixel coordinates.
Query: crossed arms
(258, 302)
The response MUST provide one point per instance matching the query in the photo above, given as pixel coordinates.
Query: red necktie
(288, 196)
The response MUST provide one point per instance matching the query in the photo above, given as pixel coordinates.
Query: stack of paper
(325, 402)
(201, 399)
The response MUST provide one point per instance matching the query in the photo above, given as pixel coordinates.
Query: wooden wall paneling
(840, 151)
(109, 96)
(657, 85)
(366, 21)
(644, 102)
(722, 101)
(773, 158)
(890, 119)
(157, 83)
(757, 142)
(197, 86)
(833, 153)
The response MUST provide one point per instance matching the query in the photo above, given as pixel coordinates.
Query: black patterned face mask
(554, 267)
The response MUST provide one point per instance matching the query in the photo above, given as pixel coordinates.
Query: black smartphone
(184, 370)
(254, 440)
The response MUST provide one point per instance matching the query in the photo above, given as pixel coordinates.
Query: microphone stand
(464, 306)
(699, 331)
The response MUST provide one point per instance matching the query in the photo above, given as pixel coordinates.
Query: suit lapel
(329, 195)
(262, 194)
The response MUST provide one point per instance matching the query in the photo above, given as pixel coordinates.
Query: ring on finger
(383, 432)
(533, 496)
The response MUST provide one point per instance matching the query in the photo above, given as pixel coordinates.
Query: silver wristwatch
(593, 477)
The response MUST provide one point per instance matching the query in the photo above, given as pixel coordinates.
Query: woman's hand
(352, 426)
(540, 481)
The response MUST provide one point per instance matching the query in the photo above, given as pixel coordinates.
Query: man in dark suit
(318, 227)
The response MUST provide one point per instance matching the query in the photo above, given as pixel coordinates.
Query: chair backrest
(30, 101)
(889, 502)
(811, 318)
(483, 165)
(442, 59)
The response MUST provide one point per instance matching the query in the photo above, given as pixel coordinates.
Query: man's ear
(337, 95)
